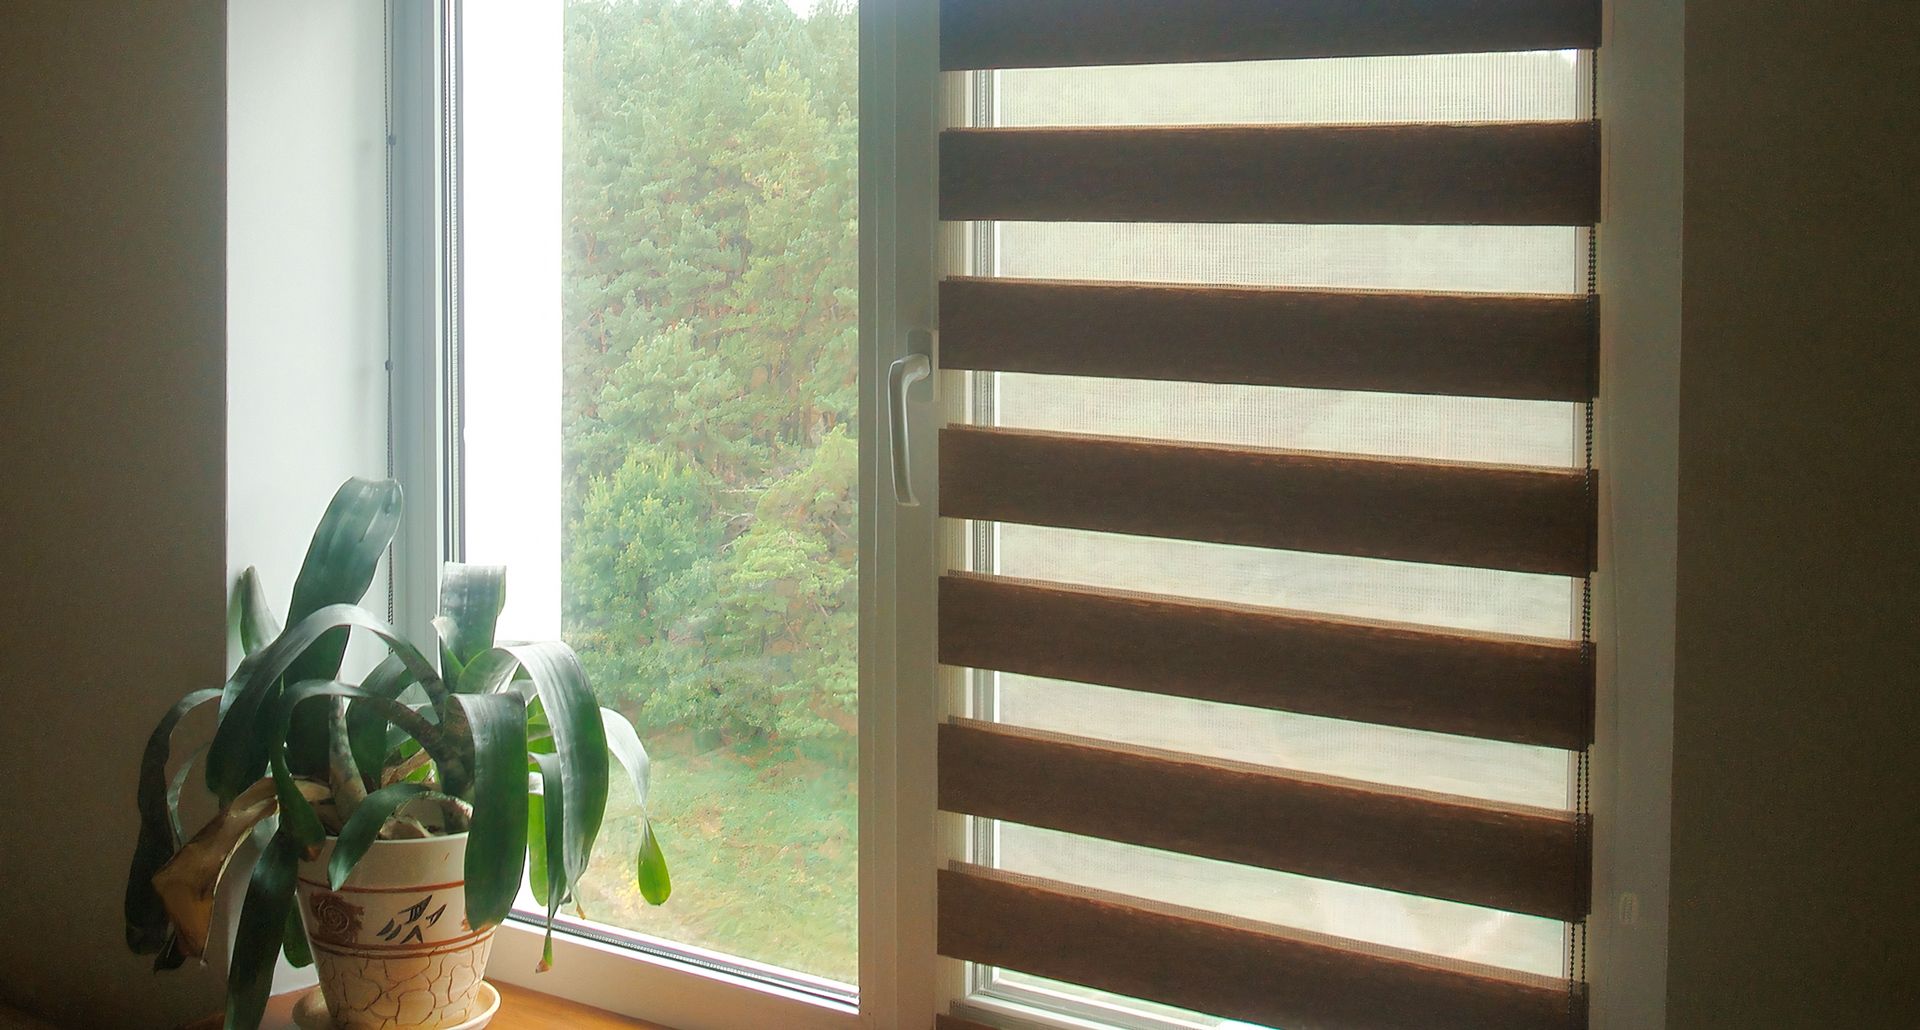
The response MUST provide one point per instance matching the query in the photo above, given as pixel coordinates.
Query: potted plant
(396, 817)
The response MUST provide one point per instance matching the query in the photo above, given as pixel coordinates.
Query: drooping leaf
(238, 755)
(353, 533)
(241, 673)
(298, 820)
(497, 841)
(258, 624)
(367, 723)
(294, 940)
(471, 598)
(579, 734)
(537, 841)
(170, 957)
(363, 829)
(651, 874)
(262, 931)
(175, 786)
(547, 852)
(625, 745)
(189, 880)
(303, 822)
(159, 837)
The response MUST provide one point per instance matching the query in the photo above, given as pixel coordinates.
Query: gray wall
(157, 436)
(112, 442)
(1796, 810)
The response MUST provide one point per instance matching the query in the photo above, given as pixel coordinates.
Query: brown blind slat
(1530, 173)
(1478, 685)
(1484, 516)
(1509, 857)
(1229, 968)
(1470, 345)
(1061, 33)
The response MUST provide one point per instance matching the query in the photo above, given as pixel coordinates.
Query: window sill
(520, 1009)
(634, 985)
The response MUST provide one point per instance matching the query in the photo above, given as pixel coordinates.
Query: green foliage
(710, 363)
(480, 721)
(710, 394)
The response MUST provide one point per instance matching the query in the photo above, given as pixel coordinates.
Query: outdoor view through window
(659, 381)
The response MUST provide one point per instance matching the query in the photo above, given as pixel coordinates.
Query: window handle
(901, 376)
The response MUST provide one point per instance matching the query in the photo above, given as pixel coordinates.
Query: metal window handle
(901, 376)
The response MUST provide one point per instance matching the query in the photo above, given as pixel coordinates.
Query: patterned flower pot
(392, 945)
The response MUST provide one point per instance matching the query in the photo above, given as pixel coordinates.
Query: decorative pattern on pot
(392, 944)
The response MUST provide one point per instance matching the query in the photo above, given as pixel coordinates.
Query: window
(667, 300)
(1128, 288)
(657, 373)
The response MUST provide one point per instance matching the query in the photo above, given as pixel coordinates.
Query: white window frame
(903, 248)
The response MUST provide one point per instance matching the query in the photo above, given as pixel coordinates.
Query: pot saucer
(310, 1012)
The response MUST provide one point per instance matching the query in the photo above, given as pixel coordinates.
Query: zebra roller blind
(1281, 344)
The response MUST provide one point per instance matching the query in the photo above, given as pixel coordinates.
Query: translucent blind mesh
(1551, 260)
(1534, 86)
(1441, 928)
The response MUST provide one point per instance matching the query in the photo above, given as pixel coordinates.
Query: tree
(710, 362)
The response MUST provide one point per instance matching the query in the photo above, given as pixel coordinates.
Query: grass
(763, 849)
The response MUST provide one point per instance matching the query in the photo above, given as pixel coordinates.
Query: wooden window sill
(520, 1009)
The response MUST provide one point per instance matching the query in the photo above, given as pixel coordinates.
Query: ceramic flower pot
(392, 945)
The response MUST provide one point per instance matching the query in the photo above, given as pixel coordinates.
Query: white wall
(306, 284)
(306, 259)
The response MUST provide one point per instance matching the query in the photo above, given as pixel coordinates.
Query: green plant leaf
(258, 624)
(262, 931)
(294, 940)
(625, 745)
(547, 850)
(175, 786)
(363, 829)
(471, 597)
(159, 836)
(305, 823)
(238, 755)
(298, 819)
(346, 547)
(579, 735)
(353, 533)
(497, 841)
(241, 673)
(452, 670)
(651, 872)
(367, 722)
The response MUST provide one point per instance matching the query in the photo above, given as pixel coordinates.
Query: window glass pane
(659, 394)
